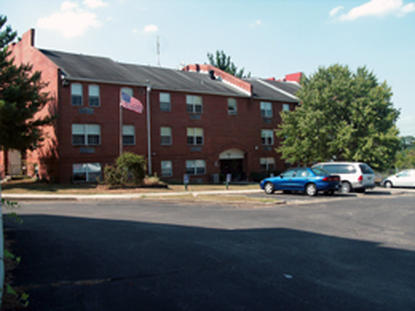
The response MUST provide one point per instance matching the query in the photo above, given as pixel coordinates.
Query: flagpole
(149, 162)
(120, 129)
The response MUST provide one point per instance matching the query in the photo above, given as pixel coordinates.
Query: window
(166, 169)
(232, 107)
(93, 95)
(86, 134)
(285, 107)
(266, 109)
(267, 164)
(165, 102)
(195, 167)
(86, 172)
(194, 104)
(76, 94)
(194, 136)
(165, 134)
(128, 135)
(267, 137)
(127, 90)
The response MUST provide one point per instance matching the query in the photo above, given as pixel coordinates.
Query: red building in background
(198, 121)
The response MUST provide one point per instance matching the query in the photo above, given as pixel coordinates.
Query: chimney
(28, 38)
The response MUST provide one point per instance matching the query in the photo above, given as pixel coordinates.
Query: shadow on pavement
(94, 264)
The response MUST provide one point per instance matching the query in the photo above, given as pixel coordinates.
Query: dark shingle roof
(290, 87)
(103, 69)
(261, 90)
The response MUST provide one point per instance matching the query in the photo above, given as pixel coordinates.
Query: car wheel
(345, 187)
(269, 188)
(311, 190)
(388, 184)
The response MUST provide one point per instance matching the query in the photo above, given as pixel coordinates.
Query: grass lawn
(28, 186)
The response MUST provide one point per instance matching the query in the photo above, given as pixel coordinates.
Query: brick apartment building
(198, 121)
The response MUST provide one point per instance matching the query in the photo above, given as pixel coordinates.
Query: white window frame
(165, 102)
(90, 170)
(76, 91)
(166, 137)
(92, 88)
(127, 90)
(194, 104)
(233, 104)
(196, 135)
(128, 131)
(166, 168)
(196, 167)
(267, 164)
(285, 107)
(267, 137)
(266, 109)
(86, 130)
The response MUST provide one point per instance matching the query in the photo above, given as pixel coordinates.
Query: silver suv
(354, 176)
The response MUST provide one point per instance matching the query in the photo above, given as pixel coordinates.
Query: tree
(342, 116)
(405, 158)
(20, 99)
(223, 62)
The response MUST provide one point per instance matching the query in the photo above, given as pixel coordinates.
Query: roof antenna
(158, 51)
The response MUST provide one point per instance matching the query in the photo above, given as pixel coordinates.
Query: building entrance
(232, 162)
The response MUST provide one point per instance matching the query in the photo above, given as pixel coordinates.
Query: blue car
(304, 179)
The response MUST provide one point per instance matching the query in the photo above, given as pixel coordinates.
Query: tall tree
(342, 116)
(223, 62)
(21, 97)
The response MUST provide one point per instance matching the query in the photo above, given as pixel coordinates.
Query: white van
(354, 176)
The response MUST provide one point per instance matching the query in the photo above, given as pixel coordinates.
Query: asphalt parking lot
(354, 252)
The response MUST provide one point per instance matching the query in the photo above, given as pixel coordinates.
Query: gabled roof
(269, 92)
(102, 69)
(290, 87)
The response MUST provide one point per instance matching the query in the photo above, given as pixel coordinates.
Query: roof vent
(212, 74)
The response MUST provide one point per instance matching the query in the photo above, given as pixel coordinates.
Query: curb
(79, 197)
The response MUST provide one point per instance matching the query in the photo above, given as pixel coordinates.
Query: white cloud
(150, 28)
(257, 23)
(93, 4)
(70, 21)
(336, 10)
(378, 8)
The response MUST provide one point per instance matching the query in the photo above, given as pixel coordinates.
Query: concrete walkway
(119, 196)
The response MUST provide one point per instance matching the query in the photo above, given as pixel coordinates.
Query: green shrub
(129, 169)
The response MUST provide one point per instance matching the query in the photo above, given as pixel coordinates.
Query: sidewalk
(123, 196)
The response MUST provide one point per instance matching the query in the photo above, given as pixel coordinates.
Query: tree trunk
(6, 161)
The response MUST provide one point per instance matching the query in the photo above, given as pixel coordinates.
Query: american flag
(131, 103)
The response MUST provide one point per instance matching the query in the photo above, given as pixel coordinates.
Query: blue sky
(267, 38)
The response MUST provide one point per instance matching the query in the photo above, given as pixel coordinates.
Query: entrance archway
(232, 162)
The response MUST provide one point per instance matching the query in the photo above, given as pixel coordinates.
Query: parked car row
(326, 177)
(404, 178)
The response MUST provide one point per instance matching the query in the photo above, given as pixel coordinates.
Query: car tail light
(331, 178)
(360, 179)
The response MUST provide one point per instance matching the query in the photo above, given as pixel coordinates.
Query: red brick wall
(46, 157)
(221, 131)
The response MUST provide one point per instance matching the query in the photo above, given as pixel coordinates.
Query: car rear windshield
(339, 168)
(319, 171)
(365, 169)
